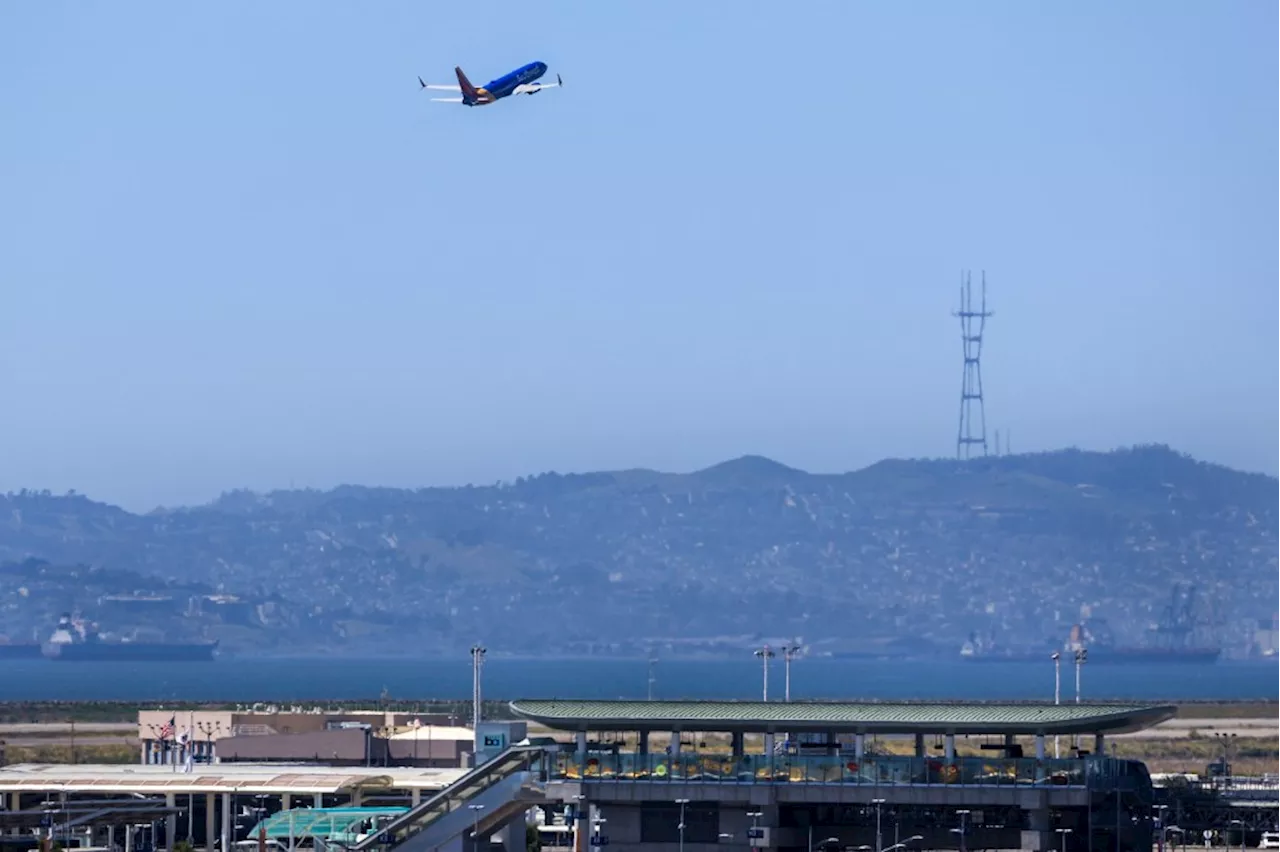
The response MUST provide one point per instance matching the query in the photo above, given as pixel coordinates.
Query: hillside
(930, 550)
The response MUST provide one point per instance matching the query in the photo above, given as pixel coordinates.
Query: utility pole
(681, 803)
(477, 661)
(1082, 654)
(788, 654)
(879, 835)
(1057, 694)
(765, 654)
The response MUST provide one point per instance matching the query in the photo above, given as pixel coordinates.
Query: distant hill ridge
(932, 549)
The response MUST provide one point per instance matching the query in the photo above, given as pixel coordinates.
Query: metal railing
(455, 796)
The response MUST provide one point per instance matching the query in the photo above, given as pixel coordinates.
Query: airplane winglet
(422, 82)
(559, 82)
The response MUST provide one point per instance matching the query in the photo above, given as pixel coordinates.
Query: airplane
(518, 82)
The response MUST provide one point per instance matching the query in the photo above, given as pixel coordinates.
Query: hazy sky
(239, 247)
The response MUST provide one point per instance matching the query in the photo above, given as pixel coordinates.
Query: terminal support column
(1099, 745)
(920, 746)
(170, 821)
(209, 825)
(512, 840)
(1039, 837)
(949, 746)
(226, 822)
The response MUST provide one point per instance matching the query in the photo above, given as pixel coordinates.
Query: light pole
(477, 660)
(681, 803)
(596, 837)
(788, 654)
(1063, 832)
(753, 833)
(475, 825)
(579, 818)
(1160, 809)
(1057, 694)
(962, 814)
(765, 654)
(1227, 740)
(879, 839)
(1082, 654)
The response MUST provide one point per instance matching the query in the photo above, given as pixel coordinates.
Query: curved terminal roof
(843, 717)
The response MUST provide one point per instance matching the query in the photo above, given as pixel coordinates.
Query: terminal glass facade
(837, 769)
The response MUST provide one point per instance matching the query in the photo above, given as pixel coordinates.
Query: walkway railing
(455, 796)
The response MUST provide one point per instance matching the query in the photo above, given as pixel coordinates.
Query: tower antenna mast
(972, 325)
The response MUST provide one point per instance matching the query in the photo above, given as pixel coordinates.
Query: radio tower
(971, 385)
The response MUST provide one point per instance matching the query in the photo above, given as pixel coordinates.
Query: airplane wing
(531, 88)
(439, 86)
(447, 100)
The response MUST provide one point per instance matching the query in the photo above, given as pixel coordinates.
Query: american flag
(167, 730)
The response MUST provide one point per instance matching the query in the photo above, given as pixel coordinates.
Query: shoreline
(1193, 714)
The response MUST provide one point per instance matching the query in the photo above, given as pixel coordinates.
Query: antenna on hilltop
(970, 434)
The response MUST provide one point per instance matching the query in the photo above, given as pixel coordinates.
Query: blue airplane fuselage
(501, 87)
(507, 83)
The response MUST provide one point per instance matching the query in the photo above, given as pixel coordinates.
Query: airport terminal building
(825, 779)
(660, 776)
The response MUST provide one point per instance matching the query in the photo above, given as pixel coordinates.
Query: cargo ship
(1098, 654)
(73, 640)
(1174, 632)
(19, 650)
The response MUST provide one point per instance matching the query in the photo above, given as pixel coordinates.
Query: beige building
(173, 737)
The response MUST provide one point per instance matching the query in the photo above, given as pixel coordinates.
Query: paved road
(59, 740)
(46, 728)
(36, 734)
(1179, 728)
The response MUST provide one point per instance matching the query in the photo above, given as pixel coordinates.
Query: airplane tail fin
(468, 91)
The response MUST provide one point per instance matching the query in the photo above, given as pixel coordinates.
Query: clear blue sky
(240, 248)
